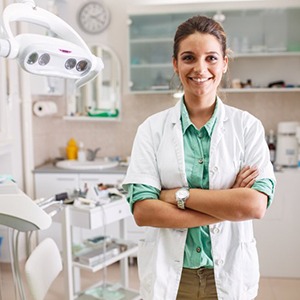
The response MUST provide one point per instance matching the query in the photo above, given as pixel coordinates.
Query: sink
(97, 164)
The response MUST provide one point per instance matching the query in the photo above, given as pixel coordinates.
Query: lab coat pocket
(250, 265)
(146, 262)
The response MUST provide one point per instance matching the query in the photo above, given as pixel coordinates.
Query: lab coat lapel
(219, 130)
(177, 139)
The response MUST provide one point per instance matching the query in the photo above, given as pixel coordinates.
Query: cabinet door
(47, 185)
(277, 234)
(264, 32)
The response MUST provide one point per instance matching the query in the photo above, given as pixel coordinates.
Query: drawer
(99, 216)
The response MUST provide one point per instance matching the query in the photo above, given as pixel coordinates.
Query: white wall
(52, 134)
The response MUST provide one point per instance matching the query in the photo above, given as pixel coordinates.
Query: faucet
(91, 154)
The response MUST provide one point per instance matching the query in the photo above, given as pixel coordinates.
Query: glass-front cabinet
(151, 46)
(266, 39)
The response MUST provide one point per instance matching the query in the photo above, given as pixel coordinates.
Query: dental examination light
(66, 55)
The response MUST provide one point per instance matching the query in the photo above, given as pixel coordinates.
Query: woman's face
(200, 65)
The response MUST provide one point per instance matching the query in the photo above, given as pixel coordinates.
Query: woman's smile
(200, 80)
(200, 65)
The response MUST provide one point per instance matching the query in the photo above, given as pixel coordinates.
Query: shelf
(111, 291)
(91, 119)
(132, 249)
(262, 90)
(229, 91)
(266, 54)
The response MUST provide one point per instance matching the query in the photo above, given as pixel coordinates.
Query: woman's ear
(175, 67)
(225, 64)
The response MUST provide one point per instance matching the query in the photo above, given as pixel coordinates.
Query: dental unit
(63, 54)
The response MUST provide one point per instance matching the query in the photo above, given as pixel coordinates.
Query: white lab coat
(158, 160)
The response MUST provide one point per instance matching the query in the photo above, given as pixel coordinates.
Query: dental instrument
(64, 55)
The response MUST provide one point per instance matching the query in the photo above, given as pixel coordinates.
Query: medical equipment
(21, 214)
(18, 211)
(64, 55)
(287, 144)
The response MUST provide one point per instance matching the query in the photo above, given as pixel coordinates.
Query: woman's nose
(200, 67)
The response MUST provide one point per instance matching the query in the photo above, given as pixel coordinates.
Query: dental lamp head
(66, 55)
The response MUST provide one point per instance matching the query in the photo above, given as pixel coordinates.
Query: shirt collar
(186, 122)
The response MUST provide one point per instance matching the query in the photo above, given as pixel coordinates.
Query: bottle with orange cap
(72, 149)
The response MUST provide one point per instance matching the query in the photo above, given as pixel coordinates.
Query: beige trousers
(197, 284)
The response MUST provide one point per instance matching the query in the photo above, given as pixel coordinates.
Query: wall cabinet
(265, 48)
(268, 72)
(277, 234)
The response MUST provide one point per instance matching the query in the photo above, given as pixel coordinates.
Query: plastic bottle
(81, 153)
(72, 149)
(272, 146)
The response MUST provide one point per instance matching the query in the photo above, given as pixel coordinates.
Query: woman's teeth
(200, 79)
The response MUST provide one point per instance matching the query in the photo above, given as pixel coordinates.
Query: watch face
(182, 194)
(93, 17)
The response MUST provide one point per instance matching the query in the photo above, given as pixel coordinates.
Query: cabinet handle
(91, 179)
(65, 179)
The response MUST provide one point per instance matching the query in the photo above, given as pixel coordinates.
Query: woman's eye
(212, 58)
(187, 58)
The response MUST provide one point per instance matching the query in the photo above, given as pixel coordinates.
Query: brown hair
(199, 24)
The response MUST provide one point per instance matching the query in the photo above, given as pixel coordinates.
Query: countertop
(50, 168)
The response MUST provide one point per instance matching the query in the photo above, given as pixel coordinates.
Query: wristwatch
(181, 196)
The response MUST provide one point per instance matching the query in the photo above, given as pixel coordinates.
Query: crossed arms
(205, 207)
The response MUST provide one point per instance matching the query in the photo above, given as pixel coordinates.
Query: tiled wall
(115, 138)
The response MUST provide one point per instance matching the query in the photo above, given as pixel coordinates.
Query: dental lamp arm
(38, 16)
(13, 47)
(4, 48)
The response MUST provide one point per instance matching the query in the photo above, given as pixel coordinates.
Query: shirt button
(215, 230)
(200, 161)
(219, 262)
(198, 249)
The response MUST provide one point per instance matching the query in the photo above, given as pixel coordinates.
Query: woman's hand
(246, 177)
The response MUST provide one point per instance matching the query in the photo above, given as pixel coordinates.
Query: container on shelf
(287, 144)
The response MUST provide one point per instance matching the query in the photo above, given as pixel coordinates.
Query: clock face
(93, 17)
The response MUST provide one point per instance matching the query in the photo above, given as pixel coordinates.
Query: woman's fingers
(246, 177)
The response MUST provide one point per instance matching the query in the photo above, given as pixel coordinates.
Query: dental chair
(42, 268)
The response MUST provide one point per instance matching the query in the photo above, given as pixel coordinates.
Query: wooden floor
(270, 288)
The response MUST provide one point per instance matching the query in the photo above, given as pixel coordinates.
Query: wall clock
(93, 17)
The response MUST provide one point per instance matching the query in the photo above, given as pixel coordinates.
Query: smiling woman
(200, 64)
(205, 166)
